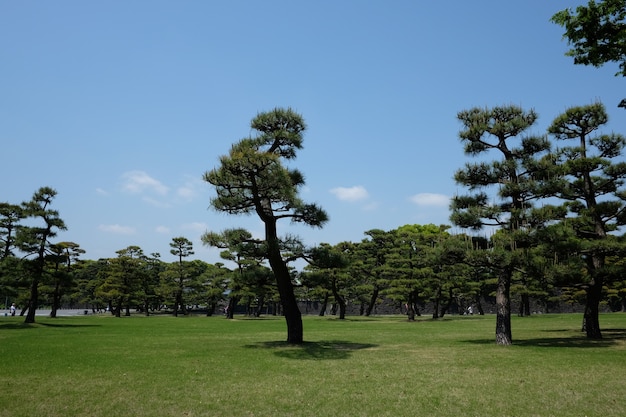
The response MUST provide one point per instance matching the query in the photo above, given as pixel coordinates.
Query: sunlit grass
(383, 366)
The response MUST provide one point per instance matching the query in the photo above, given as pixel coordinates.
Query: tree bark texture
(503, 309)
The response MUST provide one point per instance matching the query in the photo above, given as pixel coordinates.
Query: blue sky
(121, 106)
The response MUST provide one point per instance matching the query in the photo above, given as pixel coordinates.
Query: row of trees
(553, 214)
(554, 211)
(34, 269)
(408, 267)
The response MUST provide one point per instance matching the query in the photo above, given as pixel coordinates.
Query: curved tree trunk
(293, 316)
(339, 299)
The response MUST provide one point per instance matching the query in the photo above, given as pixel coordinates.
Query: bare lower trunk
(230, 310)
(293, 316)
(56, 301)
(410, 311)
(436, 306)
(503, 309)
(524, 306)
(291, 311)
(447, 304)
(340, 300)
(259, 308)
(32, 303)
(324, 305)
(479, 306)
(591, 320)
(372, 302)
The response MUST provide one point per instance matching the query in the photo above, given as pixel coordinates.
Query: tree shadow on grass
(320, 350)
(26, 326)
(611, 337)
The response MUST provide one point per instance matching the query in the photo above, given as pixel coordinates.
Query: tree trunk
(591, 320)
(210, 310)
(446, 306)
(436, 306)
(524, 306)
(293, 316)
(324, 305)
(118, 308)
(372, 302)
(339, 299)
(230, 310)
(56, 301)
(503, 309)
(259, 307)
(32, 303)
(479, 306)
(410, 310)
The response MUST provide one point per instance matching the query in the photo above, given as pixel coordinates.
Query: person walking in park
(12, 310)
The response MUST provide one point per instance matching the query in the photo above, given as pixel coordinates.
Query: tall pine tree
(501, 192)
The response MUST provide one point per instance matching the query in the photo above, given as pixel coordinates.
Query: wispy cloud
(190, 189)
(101, 191)
(162, 229)
(356, 193)
(156, 203)
(138, 181)
(195, 226)
(430, 199)
(117, 229)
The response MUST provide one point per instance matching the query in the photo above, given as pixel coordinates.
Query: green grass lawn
(382, 366)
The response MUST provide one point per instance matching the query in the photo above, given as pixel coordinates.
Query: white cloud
(190, 189)
(156, 203)
(139, 181)
(187, 192)
(117, 229)
(162, 229)
(431, 199)
(101, 191)
(355, 193)
(196, 227)
(371, 206)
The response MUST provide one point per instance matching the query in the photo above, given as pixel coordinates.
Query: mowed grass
(381, 366)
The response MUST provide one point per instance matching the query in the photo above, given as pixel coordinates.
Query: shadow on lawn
(321, 350)
(24, 326)
(611, 337)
